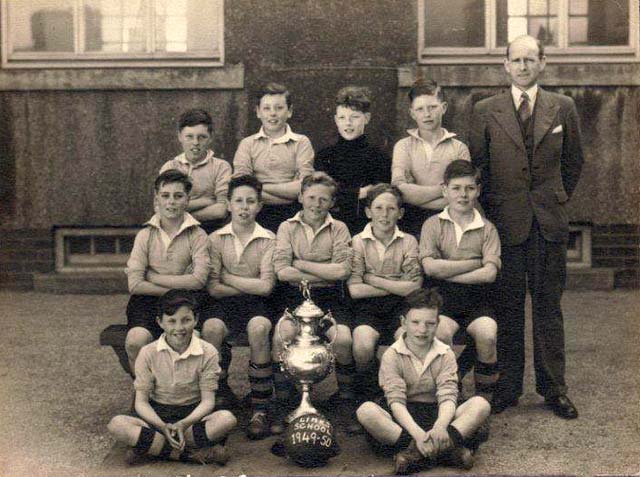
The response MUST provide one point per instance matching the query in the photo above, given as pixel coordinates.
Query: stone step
(590, 278)
(84, 283)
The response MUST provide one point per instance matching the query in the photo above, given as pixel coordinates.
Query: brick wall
(22, 253)
(618, 247)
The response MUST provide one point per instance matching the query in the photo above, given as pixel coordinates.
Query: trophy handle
(286, 316)
(329, 317)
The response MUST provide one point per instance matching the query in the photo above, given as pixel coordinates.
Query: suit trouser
(540, 265)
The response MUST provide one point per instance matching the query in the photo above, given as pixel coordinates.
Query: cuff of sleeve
(449, 397)
(492, 259)
(398, 399)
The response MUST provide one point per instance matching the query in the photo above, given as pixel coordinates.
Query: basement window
(93, 249)
(579, 246)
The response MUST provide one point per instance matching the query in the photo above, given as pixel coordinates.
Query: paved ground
(59, 389)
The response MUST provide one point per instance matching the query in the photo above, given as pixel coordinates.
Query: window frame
(491, 54)
(34, 60)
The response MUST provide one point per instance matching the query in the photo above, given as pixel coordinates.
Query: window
(458, 31)
(89, 33)
(93, 249)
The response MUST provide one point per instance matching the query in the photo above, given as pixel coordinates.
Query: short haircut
(383, 188)
(321, 178)
(174, 299)
(461, 168)
(538, 42)
(357, 98)
(273, 88)
(173, 175)
(423, 298)
(195, 117)
(426, 87)
(245, 180)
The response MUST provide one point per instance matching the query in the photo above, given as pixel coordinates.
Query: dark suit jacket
(513, 190)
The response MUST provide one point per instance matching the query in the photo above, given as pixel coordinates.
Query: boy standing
(279, 158)
(385, 268)
(460, 251)
(313, 246)
(170, 252)
(354, 163)
(176, 380)
(241, 278)
(418, 376)
(209, 175)
(419, 160)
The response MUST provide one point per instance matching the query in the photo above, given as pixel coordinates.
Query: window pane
(513, 19)
(115, 25)
(186, 25)
(605, 23)
(578, 7)
(456, 23)
(41, 25)
(538, 7)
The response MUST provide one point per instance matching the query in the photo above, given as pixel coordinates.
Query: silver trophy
(306, 359)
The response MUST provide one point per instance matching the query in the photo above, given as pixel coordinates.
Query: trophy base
(305, 406)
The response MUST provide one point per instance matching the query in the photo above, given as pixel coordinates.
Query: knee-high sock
(261, 382)
(486, 376)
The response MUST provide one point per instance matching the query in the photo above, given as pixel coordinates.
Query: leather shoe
(499, 405)
(562, 406)
(409, 460)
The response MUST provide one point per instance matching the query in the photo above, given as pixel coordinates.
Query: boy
(460, 251)
(313, 246)
(176, 380)
(385, 268)
(279, 158)
(419, 160)
(352, 161)
(210, 175)
(241, 278)
(418, 376)
(170, 252)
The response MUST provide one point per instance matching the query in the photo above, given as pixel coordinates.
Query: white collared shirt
(189, 221)
(258, 232)
(516, 94)
(381, 248)
(476, 223)
(308, 230)
(194, 348)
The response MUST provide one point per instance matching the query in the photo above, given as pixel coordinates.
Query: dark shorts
(271, 216)
(464, 303)
(142, 311)
(236, 311)
(170, 413)
(380, 313)
(333, 299)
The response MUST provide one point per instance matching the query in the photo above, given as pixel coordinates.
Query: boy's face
(178, 327)
(420, 326)
(274, 113)
(351, 122)
(195, 141)
(171, 200)
(524, 64)
(384, 213)
(461, 193)
(244, 205)
(427, 111)
(316, 202)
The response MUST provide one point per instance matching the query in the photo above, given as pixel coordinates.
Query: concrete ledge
(590, 279)
(103, 283)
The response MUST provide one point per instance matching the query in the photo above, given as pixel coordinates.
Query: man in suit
(526, 141)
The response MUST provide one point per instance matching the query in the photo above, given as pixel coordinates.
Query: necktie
(524, 110)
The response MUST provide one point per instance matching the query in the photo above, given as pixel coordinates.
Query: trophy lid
(307, 309)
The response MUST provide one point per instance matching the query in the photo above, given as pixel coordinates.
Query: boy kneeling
(176, 380)
(418, 374)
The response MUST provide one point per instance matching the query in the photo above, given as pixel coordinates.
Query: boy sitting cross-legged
(460, 251)
(313, 246)
(241, 278)
(420, 421)
(385, 268)
(170, 252)
(176, 380)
